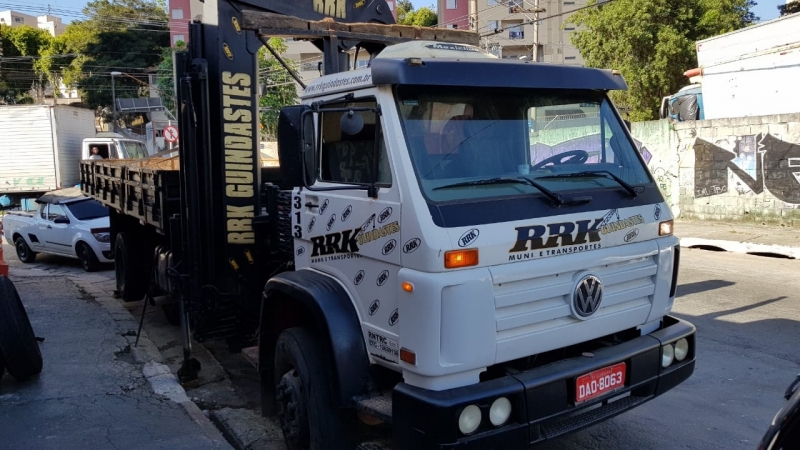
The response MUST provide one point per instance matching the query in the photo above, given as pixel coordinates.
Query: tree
(165, 78)
(402, 9)
(789, 8)
(652, 43)
(423, 17)
(279, 88)
(22, 49)
(119, 35)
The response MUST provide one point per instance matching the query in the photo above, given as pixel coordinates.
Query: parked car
(784, 432)
(65, 223)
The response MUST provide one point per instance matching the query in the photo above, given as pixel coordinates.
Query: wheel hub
(292, 410)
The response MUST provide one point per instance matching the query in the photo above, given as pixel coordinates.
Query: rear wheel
(18, 345)
(304, 396)
(132, 279)
(24, 253)
(87, 257)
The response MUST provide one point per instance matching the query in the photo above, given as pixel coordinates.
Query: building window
(451, 4)
(177, 14)
(514, 6)
(18, 19)
(569, 3)
(516, 32)
(452, 26)
(492, 25)
(569, 28)
(178, 38)
(491, 2)
(569, 58)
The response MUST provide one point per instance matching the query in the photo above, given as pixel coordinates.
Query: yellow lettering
(239, 156)
(240, 142)
(241, 238)
(227, 100)
(235, 90)
(240, 211)
(341, 12)
(319, 6)
(242, 167)
(238, 177)
(237, 115)
(238, 190)
(242, 79)
(240, 225)
(242, 129)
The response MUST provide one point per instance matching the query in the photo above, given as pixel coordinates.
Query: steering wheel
(570, 157)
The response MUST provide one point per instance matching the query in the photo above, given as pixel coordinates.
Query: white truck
(41, 148)
(747, 72)
(427, 255)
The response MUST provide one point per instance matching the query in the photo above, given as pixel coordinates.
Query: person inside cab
(96, 153)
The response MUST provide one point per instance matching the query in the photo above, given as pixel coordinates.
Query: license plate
(599, 382)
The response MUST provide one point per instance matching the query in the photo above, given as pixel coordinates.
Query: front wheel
(24, 253)
(304, 396)
(88, 258)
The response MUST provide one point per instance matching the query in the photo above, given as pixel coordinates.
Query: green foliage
(423, 17)
(789, 8)
(127, 36)
(19, 71)
(165, 78)
(279, 88)
(402, 9)
(652, 42)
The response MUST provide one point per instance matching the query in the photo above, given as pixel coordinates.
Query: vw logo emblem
(587, 296)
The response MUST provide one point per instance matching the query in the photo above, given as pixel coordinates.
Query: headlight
(102, 237)
(470, 419)
(500, 411)
(681, 349)
(667, 355)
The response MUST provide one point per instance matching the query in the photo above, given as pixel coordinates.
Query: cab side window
(350, 158)
(43, 212)
(55, 212)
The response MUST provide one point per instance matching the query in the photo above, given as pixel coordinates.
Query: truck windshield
(133, 149)
(87, 209)
(466, 144)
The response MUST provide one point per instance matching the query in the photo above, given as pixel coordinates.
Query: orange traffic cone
(3, 264)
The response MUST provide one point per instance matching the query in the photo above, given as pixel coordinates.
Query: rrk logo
(324, 207)
(382, 278)
(657, 212)
(385, 214)
(411, 245)
(632, 235)
(331, 221)
(346, 213)
(359, 278)
(468, 237)
(389, 247)
(393, 318)
(374, 306)
(311, 224)
(301, 251)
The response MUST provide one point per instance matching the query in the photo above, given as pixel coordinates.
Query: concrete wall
(739, 169)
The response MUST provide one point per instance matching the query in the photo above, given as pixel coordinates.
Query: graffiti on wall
(760, 162)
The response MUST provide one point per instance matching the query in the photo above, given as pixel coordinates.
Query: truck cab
(113, 146)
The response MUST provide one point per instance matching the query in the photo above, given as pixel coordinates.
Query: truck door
(346, 233)
(54, 231)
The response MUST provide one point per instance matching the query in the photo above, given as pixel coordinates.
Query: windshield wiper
(597, 173)
(555, 198)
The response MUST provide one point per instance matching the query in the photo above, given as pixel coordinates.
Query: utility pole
(536, 30)
(473, 15)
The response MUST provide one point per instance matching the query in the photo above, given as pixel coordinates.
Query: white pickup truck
(65, 223)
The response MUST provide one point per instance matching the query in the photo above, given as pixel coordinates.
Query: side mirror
(309, 143)
(61, 220)
(291, 144)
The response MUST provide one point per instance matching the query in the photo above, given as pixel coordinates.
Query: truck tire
(304, 396)
(21, 353)
(132, 280)
(24, 253)
(88, 259)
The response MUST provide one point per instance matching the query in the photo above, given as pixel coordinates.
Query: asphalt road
(748, 318)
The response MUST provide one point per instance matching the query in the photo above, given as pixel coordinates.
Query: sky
(71, 9)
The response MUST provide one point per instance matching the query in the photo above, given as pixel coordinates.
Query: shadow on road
(702, 286)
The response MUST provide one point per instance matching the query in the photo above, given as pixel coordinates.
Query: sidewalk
(740, 237)
(96, 391)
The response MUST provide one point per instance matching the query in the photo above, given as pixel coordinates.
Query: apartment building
(511, 28)
(52, 24)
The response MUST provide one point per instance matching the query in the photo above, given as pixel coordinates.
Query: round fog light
(667, 355)
(500, 411)
(681, 349)
(470, 419)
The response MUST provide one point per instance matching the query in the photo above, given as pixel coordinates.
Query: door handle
(50, 226)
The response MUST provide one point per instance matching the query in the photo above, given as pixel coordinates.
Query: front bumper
(542, 398)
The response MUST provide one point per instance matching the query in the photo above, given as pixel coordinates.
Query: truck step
(378, 405)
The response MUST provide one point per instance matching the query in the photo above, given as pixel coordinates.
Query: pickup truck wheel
(18, 345)
(131, 279)
(24, 253)
(304, 396)
(87, 257)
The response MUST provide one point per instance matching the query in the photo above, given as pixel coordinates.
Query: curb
(743, 247)
(158, 375)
